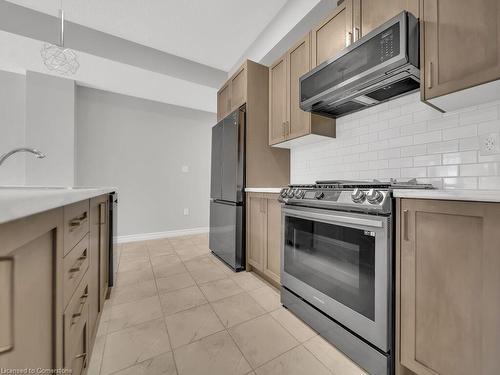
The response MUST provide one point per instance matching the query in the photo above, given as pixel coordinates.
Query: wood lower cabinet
(31, 308)
(449, 287)
(50, 295)
(264, 235)
(461, 45)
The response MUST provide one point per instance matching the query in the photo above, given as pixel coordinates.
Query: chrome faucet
(37, 153)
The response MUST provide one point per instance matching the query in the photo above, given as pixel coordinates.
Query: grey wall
(12, 130)
(140, 147)
(50, 127)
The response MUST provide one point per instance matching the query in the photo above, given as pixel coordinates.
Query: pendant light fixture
(57, 58)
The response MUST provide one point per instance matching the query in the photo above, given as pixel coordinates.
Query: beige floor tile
(134, 277)
(301, 331)
(297, 361)
(248, 280)
(267, 297)
(132, 345)
(160, 247)
(237, 309)
(134, 265)
(133, 292)
(182, 299)
(215, 290)
(133, 247)
(160, 365)
(262, 339)
(170, 267)
(213, 355)
(332, 358)
(163, 260)
(134, 256)
(102, 329)
(96, 358)
(206, 274)
(190, 252)
(179, 281)
(191, 325)
(129, 314)
(199, 263)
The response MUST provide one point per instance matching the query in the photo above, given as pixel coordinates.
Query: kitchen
(337, 217)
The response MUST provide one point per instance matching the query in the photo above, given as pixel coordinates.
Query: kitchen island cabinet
(448, 287)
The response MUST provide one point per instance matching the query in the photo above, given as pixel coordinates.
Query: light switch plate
(489, 144)
(185, 168)
(186, 211)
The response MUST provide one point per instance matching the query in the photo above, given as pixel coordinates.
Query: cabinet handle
(78, 264)
(76, 316)
(287, 126)
(77, 221)
(430, 76)
(283, 128)
(348, 39)
(84, 356)
(356, 33)
(405, 225)
(102, 213)
(6, 304)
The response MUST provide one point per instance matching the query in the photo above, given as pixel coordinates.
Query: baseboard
(157, 235)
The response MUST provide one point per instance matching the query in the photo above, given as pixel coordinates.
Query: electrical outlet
(186, 211)
(185, 168)
(489, 144)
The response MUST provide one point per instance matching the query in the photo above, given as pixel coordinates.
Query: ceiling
(211, 32)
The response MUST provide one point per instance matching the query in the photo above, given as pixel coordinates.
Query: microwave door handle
(335, 218)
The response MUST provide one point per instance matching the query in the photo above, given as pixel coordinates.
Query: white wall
(140, 147)
(12, 129)
(405, 138)
(50, 127)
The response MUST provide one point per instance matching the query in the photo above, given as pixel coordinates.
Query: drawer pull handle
(75, 317)
(78, 221)
(6, 304)
(405, 225)
(78, 265)
(84, 356)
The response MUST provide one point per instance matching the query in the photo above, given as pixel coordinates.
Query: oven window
(335, 260)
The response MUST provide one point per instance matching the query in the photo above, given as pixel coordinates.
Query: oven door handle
(333, 218)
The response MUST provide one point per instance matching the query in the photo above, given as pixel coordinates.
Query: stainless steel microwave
(380, 66)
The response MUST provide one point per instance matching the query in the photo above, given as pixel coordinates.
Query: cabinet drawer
(76, 264)
(76, 224)
(76, 335)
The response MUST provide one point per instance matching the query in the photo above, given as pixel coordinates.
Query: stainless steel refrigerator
(227, 196)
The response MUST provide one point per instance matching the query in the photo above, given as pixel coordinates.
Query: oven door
(341, 263)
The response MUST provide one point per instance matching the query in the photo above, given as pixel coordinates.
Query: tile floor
(176, 309)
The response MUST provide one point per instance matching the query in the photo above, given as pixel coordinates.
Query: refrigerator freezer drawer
(226, 233)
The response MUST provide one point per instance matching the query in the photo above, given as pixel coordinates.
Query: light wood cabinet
(224, 101)
(264, 235)
(298, 127)
(370, 14)
(332, 35)
(31, 253)
(449, 287)
(103, 251)
(239, 88)
(461, 45)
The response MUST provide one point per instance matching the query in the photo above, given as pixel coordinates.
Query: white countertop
(21, 201)
(455, 195)
(263, 190)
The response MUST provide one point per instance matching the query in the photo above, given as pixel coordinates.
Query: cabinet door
(239, 88)
(272, 260)
(461, 44)
(299, 63)
(277, 101)
(256, 230)
(31, 292)
(370, 14)
(332, 35)
(103, 251)
(94, 271)
(224, 101)
(450, 295)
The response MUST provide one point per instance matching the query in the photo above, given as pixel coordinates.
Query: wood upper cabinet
(239, 88)
(461, 45)
(450, 287)
(256, 229)
(224, 101)
(31, 299)
(370, 14)
(272, 260)
(277, 100)
(332, 35)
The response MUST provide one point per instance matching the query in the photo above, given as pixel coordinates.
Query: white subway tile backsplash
(404, 139)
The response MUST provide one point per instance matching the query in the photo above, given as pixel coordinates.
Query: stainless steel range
(337, 264)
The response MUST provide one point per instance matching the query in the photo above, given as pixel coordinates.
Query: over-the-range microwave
(382, 65)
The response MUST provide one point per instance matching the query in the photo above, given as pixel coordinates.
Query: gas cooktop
(364, 196)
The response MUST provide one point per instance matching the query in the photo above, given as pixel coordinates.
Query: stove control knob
(300, 194)
(319, 195)
(284, 193)
(358, 196)
(374, 196)
(291, 193)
